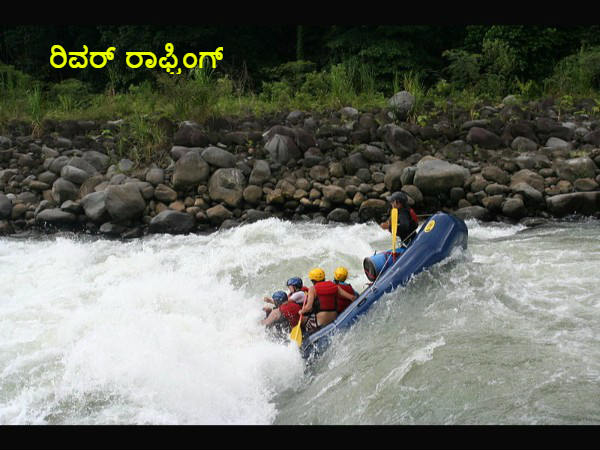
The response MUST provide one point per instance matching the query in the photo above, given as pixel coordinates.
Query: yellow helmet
(340, 274)
(316, 274)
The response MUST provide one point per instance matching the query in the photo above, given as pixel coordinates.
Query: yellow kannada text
(134, 60)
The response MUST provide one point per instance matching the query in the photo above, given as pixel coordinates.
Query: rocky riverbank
(512, 163)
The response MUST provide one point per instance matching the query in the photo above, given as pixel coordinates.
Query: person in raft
(321, 303)
(297, 289)
(285, 314)
(407, 218)
(297, 294)
(339, 278)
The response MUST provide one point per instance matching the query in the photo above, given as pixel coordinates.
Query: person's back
(340, 275)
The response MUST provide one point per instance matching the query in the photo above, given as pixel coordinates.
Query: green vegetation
(314, 68)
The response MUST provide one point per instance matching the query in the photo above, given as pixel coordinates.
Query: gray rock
(190, 170)
(514, 208)
(319, 173)
(28, 198)
(312, 157)
(473, 212)
(586, 203)
(47, 177)
(523, 144)
(90, 185)
(124, 202)
(373, 154)
(493, 173)
(372, 209)
(172, 222)
(218, 157)
(398, 140)
(84, 165)
(98, 160)
(261, 173)
(56, 216)
(572, 169)
(435, 176)
(413, 193)
(532, 161)
(63, 190)
(155, 176)
(190, 134)
(5, 206)
(354, 162)
(252, 194)
(57, 164)
(555, 143)
(74, 175)
(593, 138)
(527, 176)
(585, 184)
(165, 194)
(483, 138)
(402, 103)
(253, 215)
(339, 215)
(94, 206)
(349, 113)
(125, 165)
(393, 176)
(334, 194)
(407, 177)
(227, 185)
(218, 214)
(282, 148)
(71, 206)
(530, 194)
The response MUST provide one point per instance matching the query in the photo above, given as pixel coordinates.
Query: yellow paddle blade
(296, 334)
(394, 224)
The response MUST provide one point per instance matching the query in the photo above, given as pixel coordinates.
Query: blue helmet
(296, 282)
(279, 297)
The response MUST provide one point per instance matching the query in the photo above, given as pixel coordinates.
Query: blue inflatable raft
(435, 241)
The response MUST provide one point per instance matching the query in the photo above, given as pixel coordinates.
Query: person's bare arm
(346, 295)
(274, 316)
(309, 301)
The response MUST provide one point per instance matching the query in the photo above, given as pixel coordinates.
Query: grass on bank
(473, 80)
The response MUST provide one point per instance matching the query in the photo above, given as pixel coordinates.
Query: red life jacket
(291, 311)
(344, 302)
(305, 289)
(327, 295)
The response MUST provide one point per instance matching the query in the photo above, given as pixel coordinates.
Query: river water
(165, 330)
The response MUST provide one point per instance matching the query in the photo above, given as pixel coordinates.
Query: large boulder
(527, 176)
(63, 190)
(218, 157)
(261, 173)
(190, 134)
(393, 176)
(586, 203)
(334, 194)
(435, 176)
(398, 140)
(402, 104)
(227, 185)
(172, 222)
(372, 208)
(94, 206)
(514, 208)
(5, 206)
(190, 170)
(483, 138)
(282, 148)
(354, 162)
(124, 201)
(98, 160)
(473, 212)
(593, 138)
(74, 174)
(494, 173)
(56, 216)
(572, 169)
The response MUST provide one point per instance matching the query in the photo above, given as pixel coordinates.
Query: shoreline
(514, 163)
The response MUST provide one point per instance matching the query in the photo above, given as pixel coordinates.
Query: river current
(165, 330)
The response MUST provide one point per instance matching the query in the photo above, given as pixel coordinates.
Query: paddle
(296, 333)
(394, 219)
